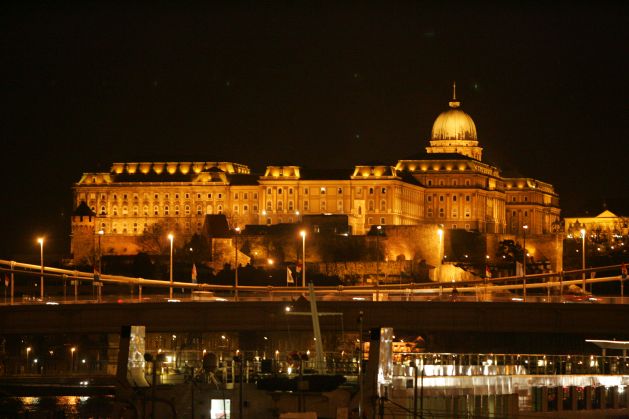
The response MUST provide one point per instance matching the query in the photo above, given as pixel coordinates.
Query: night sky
(318, 84)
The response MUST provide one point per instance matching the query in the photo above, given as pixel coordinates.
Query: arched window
(199, 209)
(125, 210)
(280, 205)
(371, 205)
(102, 210)
(209, 210)
(219, 209)
(176, 209)
(166, 210)
(155, 210)
(187, 209)
(114, 211)
(383, 205)
(145, 210)
(135, 210)
(269, 205)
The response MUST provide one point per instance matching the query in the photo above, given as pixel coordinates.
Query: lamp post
(439, 257)
(524, 228)
(41, 257)
(100, 253)
(28, 351)
(583, 257)
(378, 230)
(236, 262)
(302, 233)
(171, 238)
(72, 350)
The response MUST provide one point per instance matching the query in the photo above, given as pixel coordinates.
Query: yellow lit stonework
(454, 131)
(606, 222)
(448, 185)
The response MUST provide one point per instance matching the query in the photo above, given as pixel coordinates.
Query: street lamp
(28, 351)
(524, 228)
(583, 257)
(72, 349)
(41, 254)
(100, 253)
(439, 250)
(236, 263)
(302, 233)
(378, 230)
(171, 238)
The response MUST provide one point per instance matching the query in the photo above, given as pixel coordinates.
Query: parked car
(575, 294)
(580, 298)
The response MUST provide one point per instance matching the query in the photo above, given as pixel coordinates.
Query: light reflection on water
(59, 407)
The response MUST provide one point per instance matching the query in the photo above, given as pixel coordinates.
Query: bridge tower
(83, 231)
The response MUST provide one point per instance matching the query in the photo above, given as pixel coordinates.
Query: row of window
(514, 199)
(166, 196)
(176, 210)
(135, 228)
(187, 210)
(236, 196)
(323, 205)
(323, 190)
(442, 198)
(441, 182)
(442, 213)
(245, 195)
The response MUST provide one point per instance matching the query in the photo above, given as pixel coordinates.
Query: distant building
(447, 185)
(606, 223)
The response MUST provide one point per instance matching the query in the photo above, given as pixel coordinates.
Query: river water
(56, 407)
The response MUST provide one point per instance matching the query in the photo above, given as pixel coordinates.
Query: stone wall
(546, 247)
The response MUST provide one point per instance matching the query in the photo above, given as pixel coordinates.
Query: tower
(83, 230)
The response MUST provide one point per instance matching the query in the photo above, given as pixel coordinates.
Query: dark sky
(319, 84)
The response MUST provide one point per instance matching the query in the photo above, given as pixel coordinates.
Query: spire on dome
(454, 103)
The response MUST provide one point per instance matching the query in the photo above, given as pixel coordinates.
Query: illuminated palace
(447, 185)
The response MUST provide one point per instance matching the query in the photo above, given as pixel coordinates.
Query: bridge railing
(70, 287)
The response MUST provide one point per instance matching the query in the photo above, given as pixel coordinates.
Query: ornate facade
(448, 185)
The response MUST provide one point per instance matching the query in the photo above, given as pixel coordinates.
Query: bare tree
(154, 240)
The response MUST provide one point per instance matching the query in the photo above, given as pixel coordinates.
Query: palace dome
(454, 124)
(454, 131)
